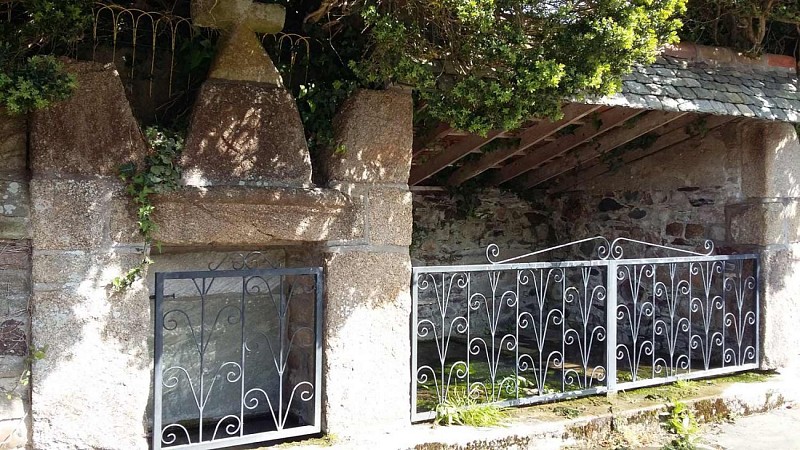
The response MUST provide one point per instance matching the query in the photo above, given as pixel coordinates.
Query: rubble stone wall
(15, 279)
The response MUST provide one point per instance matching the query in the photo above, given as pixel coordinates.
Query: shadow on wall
(246, 133)
(95, 340)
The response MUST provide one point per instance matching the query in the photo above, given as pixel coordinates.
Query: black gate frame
(158, 440)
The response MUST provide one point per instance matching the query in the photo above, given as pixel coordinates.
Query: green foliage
(34, 354)
(482, 65)
(461, 409)
(34, 84)
(476, 64)
(29, 80)
(683, 424)
(321, 76)
(753, 26)
(159, 174)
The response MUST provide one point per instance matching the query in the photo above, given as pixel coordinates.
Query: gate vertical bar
(759, 316)
(318, 357)
(242, 356)
(414, 300)
(158, 348)
(611, 326)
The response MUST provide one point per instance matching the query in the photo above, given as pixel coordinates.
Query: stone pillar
(367, 345)
(768, 220)
(14, 282)
(92, 387)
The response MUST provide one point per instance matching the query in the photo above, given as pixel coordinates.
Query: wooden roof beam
(448, 156)
(621, 136)
(673, 134)
(438, 132)
(528, 138)
(608, 120)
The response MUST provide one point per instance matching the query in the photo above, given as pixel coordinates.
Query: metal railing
(238, 356)
(513, 333)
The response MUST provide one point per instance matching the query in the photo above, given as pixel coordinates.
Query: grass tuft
(462, 409)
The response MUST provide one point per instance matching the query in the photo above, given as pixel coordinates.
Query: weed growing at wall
(461, 409)
(683, 424)
(160, 173)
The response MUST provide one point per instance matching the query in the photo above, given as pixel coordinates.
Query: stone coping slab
(241, 215)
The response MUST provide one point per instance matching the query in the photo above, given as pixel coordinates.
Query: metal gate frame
(610, 257)
(246, 273)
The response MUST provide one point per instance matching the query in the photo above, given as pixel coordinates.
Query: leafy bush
(683, 424)
(483, 65)
(30, 77)
(35, 84)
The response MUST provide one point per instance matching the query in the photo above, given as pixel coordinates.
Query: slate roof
(673, 84)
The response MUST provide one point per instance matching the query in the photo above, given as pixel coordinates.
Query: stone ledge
(231, 215)
(524, 432)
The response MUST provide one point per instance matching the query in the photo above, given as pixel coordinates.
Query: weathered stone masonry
(93, 388)
(14, 282)
(737, 185)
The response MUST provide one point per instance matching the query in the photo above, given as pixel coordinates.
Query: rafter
(431, 136)
(448, 156)
(608, 120)
(613, 139)
(528, 138)
(672, 134)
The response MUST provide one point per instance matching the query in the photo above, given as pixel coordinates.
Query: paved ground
(775, 430)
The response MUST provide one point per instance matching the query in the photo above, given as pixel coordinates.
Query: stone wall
(94, 387)
(767, 218)
(456, 228)
(91, 389)
(14, 283)
(676, 197)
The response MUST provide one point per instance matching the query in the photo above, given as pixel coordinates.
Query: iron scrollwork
(224, 352)
(517, 331)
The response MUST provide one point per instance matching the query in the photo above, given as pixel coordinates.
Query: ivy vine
(159, 174)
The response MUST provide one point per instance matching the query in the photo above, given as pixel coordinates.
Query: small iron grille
(238, 356)
(514, 333)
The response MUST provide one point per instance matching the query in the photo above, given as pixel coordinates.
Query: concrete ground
(774, 430)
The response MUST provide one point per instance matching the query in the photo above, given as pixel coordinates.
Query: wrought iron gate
(512, 333)
(238, 356)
